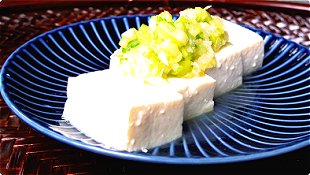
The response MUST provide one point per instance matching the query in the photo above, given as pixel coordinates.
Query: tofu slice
(249, 43)
(123, 113)
(242, 56)
(228, 71)
(197, 92)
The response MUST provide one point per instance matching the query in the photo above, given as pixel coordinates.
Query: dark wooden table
(25, 151)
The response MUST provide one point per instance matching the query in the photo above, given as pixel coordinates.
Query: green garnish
(167, 48)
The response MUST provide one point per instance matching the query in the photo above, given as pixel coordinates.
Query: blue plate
(268, 115)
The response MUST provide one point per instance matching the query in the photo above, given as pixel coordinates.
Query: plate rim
(131, 155)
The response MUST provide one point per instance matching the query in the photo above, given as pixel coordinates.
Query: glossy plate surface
(268, 115)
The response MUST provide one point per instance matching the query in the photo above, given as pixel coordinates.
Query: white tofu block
(228, 71)
(242, 55)
(123, 113)
(249, 43)
(197, 92)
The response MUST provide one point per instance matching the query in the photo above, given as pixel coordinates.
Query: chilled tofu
(249, 43)
(197, 92)
(132, 113)
(228, 71)
(123, 113)
(242, 55)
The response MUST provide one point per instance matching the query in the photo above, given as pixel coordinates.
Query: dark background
(293, 163)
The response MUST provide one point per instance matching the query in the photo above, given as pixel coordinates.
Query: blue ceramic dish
(268, 115)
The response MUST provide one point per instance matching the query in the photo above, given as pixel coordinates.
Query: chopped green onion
(166, 48)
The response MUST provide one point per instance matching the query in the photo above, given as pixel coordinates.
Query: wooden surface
(24, 151)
